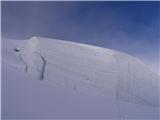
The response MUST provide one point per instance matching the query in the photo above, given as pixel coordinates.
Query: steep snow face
(89, 68)
(84, 68)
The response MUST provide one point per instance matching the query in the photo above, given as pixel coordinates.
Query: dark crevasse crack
(42, 65)
(26, 67)
(18, 51)
(42, 70)
(118, 88)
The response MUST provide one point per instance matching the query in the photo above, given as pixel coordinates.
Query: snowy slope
(48, 78)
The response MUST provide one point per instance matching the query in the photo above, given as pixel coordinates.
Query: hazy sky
(131, 27)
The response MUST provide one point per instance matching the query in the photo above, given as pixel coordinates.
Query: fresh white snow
(48, 78)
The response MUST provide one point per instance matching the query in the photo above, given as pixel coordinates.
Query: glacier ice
(90, 68)
(85, 68)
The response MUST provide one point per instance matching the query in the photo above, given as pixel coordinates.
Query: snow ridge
(89, 68)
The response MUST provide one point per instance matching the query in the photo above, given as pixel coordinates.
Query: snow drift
(85, 69)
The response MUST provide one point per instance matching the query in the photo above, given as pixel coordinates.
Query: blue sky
(131, 27)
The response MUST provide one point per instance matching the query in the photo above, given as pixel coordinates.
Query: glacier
(126, 87)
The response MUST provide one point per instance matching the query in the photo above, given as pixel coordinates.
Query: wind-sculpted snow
(135, 82)
(88, 69)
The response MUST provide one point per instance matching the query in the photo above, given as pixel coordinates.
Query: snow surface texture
(119, 86)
